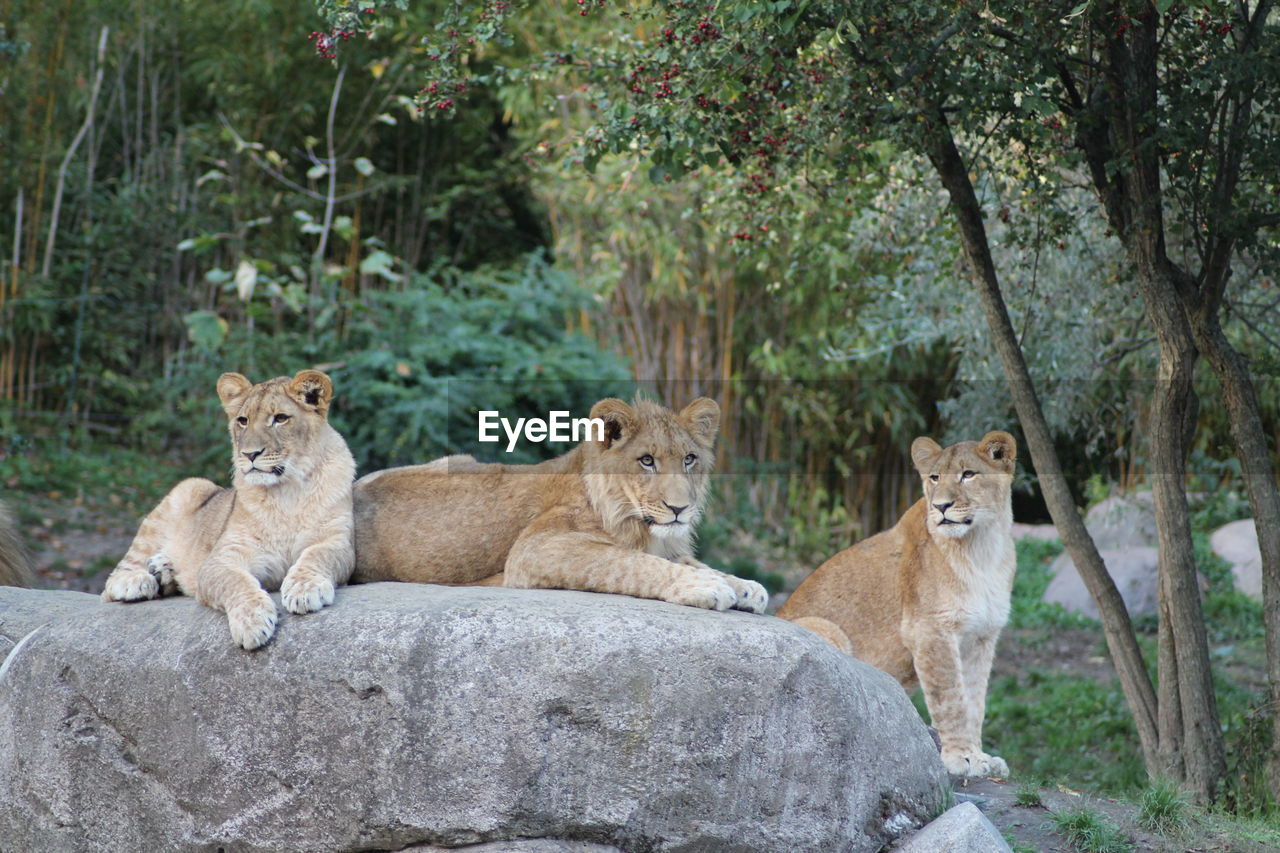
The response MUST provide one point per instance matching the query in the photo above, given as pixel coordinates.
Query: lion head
(968, 484)
(275, 424)
(653, 465)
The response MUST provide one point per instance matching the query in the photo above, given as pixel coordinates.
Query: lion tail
(827, 630)
(15, 564)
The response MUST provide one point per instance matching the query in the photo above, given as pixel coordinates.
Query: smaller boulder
(1134, 571)
(1237, 543)
(960, 829)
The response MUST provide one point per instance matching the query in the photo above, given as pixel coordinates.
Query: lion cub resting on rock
(608, 516)
(925, 600)
(285, 523)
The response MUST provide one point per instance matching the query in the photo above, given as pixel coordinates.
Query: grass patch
(135, 479)
(1164, 809)
(1090, 832)
(1055, 725)
(1027, 795)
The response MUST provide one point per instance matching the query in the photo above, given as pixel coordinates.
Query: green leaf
(364, 166)
(318, 171)
(379, 263)
(206, 329)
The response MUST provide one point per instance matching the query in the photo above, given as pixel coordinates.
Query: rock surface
(1133, 570)
(1121, 522)
(1237, 543)
(960, 829)
(412, 715)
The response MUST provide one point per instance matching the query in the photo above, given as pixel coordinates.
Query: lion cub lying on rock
(285, 523)
(608, 516)
(925, 600)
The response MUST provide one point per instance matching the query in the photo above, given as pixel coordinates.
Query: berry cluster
(1207, 26)
(327, 43)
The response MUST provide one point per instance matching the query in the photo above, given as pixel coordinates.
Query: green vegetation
(1090, 832)
(1027, 795)
(1164, 809)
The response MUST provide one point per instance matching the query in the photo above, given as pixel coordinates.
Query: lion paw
(161, 568)
(970, 763)
(130, 585)
(706, 591)
(752, 597)
(305, 593)
(252, 622)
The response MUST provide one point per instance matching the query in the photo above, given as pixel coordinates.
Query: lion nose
(676, 510)
(252, 454)
(943, 506)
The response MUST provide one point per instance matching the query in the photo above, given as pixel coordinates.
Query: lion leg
(977, 672)
(147, 568)
(309, 584)
(938, 665)
(827, 630)
(580, 561)
(752, 597)
(225, 582)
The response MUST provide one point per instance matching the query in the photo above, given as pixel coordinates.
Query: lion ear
(702, 418)
(312, 388)
(999, 448)
(619, 419)
(231, 390)
(924, 451)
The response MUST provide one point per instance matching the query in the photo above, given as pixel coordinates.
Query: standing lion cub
(925, 600)
(615, 515)
(285, 523)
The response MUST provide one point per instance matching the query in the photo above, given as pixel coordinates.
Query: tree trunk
(1121, 640)
(1191, 748)
(1250, 439)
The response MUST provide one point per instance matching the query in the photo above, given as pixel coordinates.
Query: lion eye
(690, 459)
(968, 475)
(646, 461)
(933, 477)
(280, 418)
(242, 421)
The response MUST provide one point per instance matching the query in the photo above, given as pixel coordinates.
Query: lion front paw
(252, 621)
(306, 593)
(161, 568)
(752, 597)
(130, 585)
(971, 763)
(707, 591)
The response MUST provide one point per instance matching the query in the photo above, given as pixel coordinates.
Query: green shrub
(1090, 832)
(1164, 809)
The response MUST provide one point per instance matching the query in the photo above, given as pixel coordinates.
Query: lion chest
(979, 583)
(274, 531)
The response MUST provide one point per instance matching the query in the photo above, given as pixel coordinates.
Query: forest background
(461, 209)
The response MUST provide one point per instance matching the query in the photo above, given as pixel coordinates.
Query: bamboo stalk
(66, 159)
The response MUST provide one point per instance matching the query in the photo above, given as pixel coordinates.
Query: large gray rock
(1134, 571)
(417, 715)
(1237, 543)
(960, 829)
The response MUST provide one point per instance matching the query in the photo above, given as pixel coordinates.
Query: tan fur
(15, 565)
(285, 524)
(616, 515)
(925, 601)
